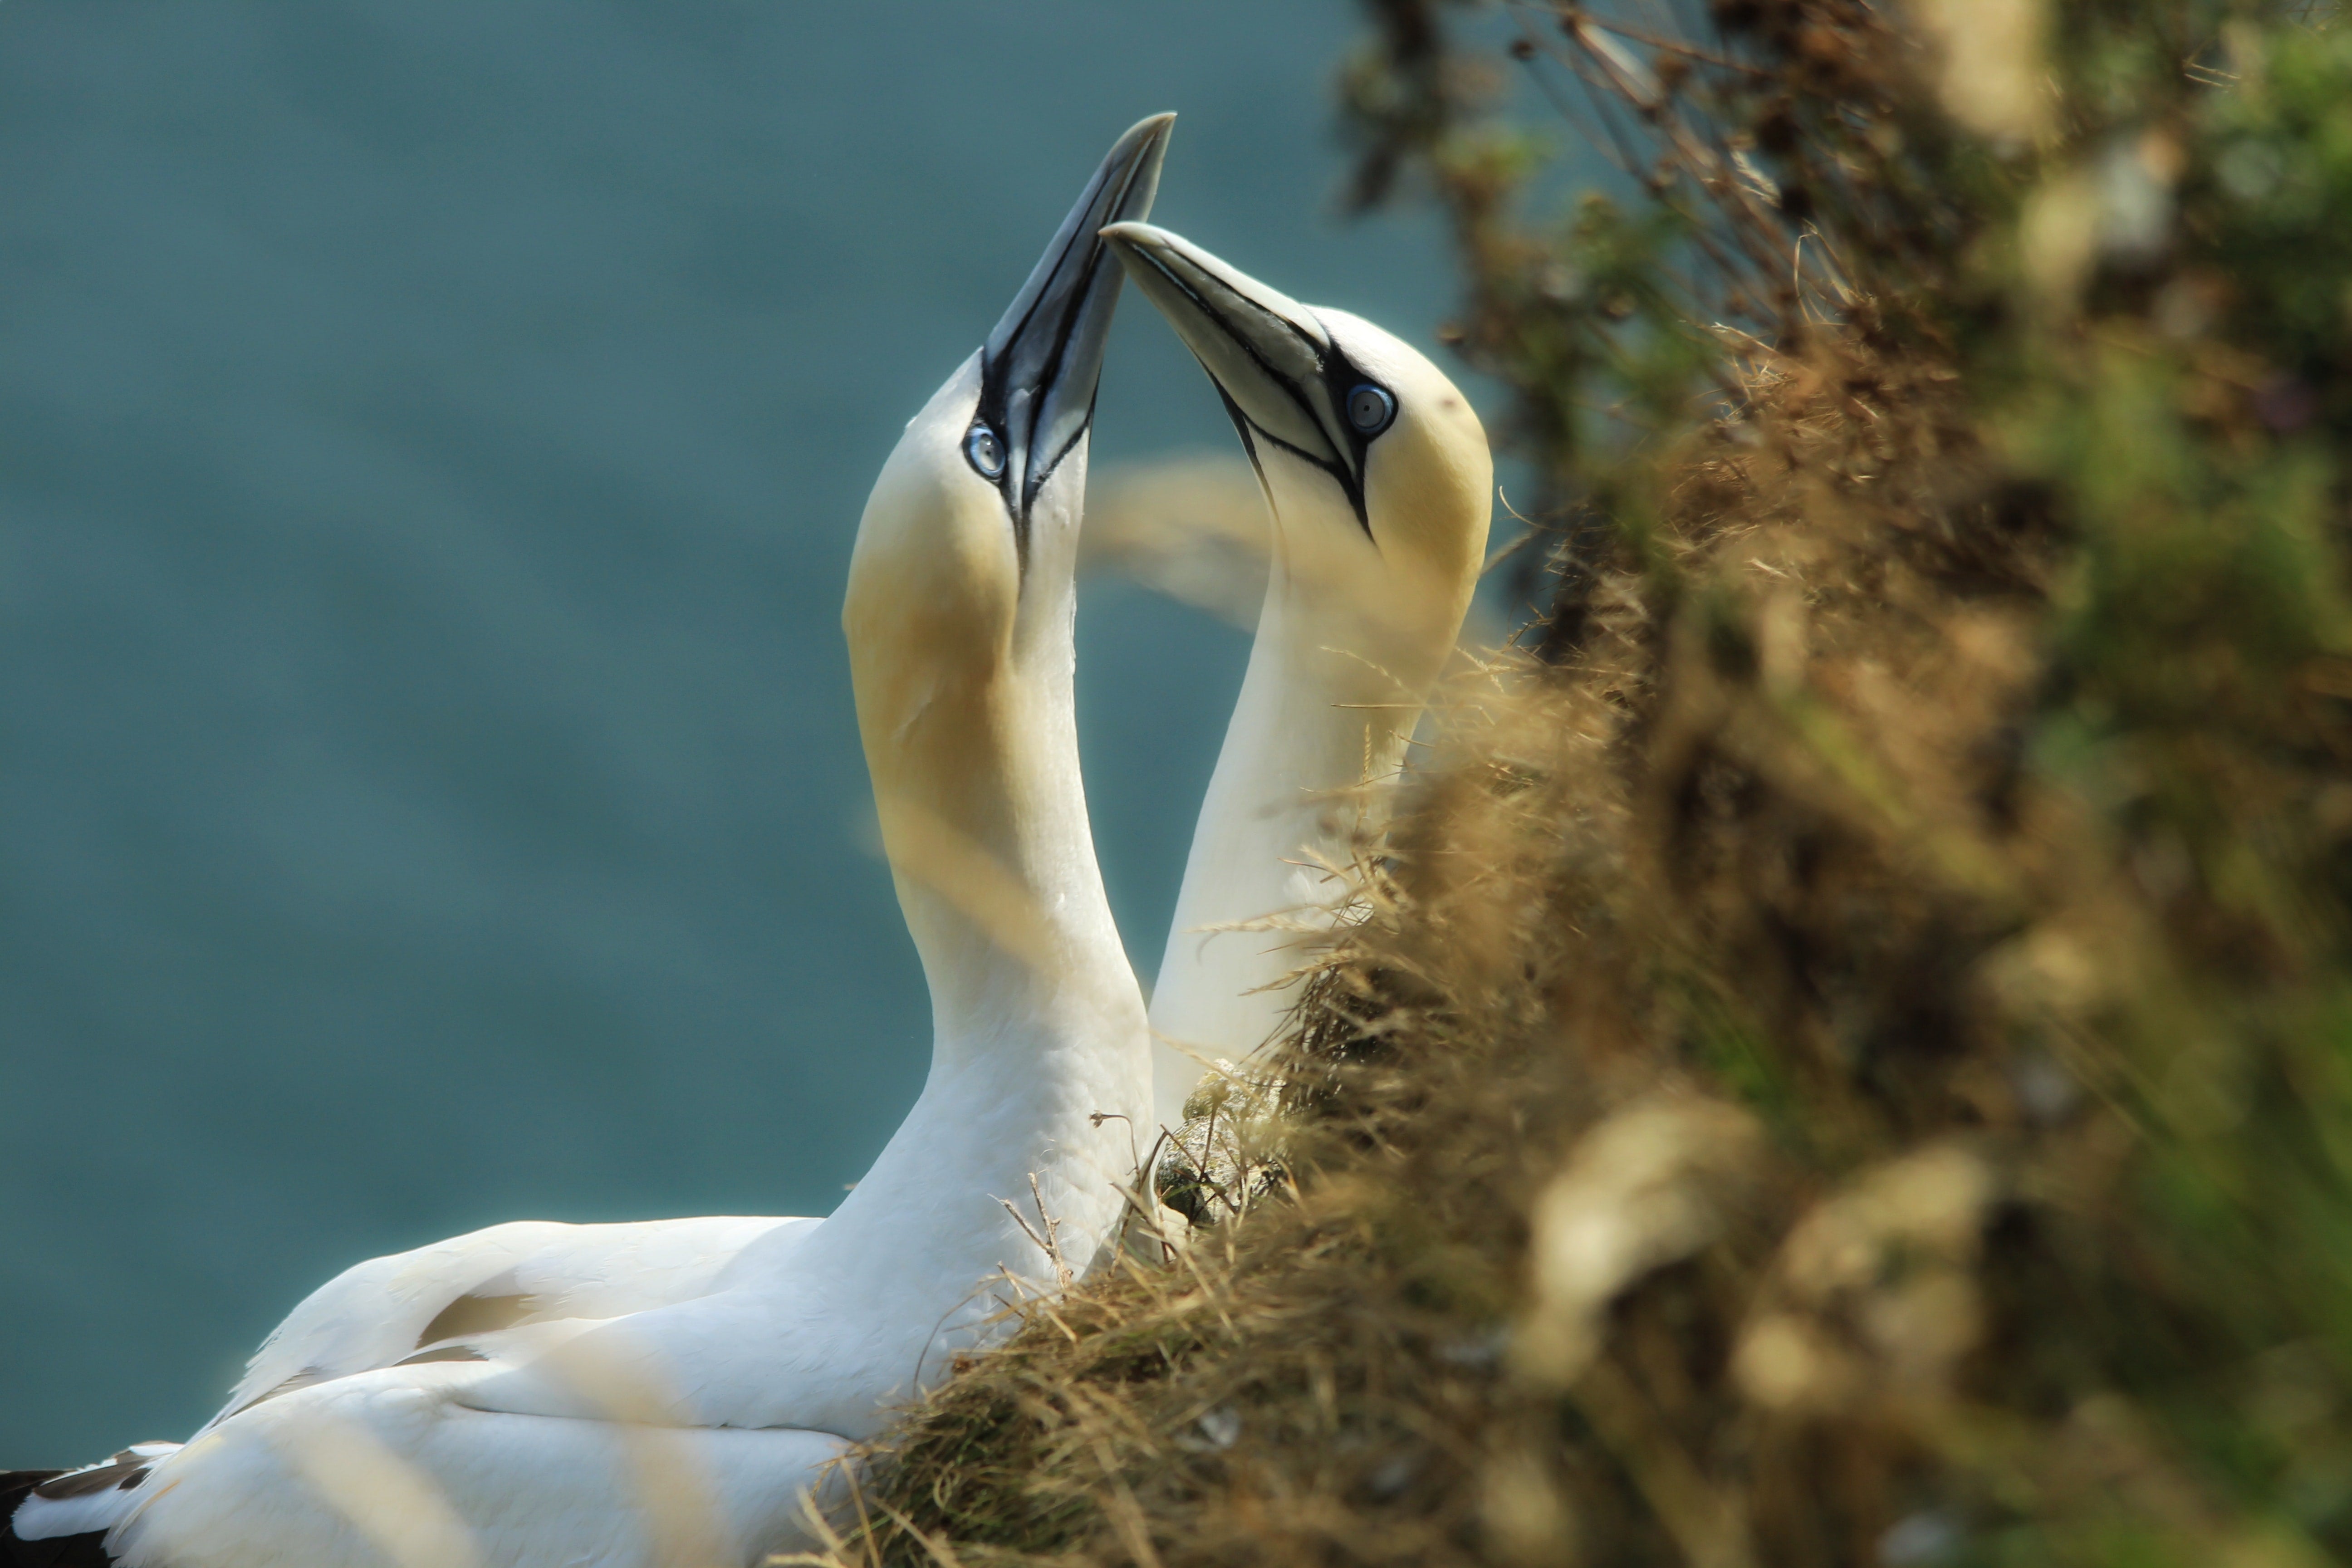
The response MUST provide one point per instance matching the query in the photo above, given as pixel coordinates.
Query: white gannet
(1379, 479)
(665, 1393)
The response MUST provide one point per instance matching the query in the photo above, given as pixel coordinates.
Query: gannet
(1377, 477)
(670, 1393)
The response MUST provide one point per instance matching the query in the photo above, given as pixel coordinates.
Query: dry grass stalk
(1843, 1057)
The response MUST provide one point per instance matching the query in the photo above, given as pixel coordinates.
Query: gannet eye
(1370, 409)
(984, 452)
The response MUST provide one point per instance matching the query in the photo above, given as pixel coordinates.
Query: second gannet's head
(962, 570)
(1374, 465)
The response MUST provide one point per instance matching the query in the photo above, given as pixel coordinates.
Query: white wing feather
(376, 1314)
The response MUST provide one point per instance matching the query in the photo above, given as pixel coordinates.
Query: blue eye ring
(1371, 408)
(984, 450)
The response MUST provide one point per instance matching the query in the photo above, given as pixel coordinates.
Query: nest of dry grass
(1847, 1060)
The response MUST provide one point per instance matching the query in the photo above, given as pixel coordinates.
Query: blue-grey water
(431, 435)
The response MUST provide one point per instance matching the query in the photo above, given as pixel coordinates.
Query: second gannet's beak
(1040, 367)
(1284, 381)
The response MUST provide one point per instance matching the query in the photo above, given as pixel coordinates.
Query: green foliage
(2267, 204)
(1849, 1055)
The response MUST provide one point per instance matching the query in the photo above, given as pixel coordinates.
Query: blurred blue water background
(431, 435)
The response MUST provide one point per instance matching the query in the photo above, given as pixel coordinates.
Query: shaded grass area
(1849, 1054)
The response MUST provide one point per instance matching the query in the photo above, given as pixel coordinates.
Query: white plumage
(627, 1396)
(1379, 484)
(675, 1393)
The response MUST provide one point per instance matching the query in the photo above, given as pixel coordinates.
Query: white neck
(1041, 1075)
(1041, 1068)
(1319, 732)
(1038, 1022)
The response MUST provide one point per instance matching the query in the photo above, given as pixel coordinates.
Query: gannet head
(1374, 465)
(960, 584)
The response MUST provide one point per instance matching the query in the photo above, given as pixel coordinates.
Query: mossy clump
(1848, 1058)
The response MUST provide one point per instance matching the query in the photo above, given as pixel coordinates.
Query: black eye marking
(1371, 407)
(1342, 383)
(984, 450)
(1346, 388)
(1346, 470)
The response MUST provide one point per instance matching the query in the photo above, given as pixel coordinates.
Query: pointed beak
(1282, 379)
(1041, 363)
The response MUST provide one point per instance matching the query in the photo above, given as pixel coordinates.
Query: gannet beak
(1041, 364)
(1282, 379)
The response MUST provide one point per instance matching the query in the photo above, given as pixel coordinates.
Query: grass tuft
(1848, 1054)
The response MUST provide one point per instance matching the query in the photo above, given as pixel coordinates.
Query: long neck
(994, 861)
(1039, 1063)
(1319, 730)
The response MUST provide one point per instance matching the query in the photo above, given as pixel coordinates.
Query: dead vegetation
(1850, 1055)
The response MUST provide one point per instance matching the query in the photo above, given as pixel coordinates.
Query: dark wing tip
(123, 1471)
(16, 1485)
(87, 1549)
